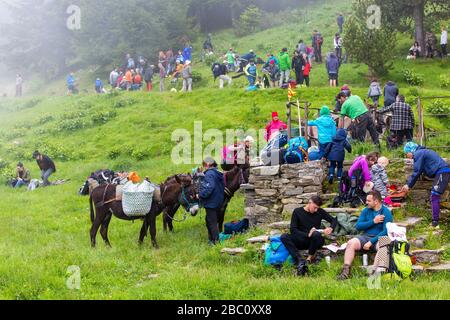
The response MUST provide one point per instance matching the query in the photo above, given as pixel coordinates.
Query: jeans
(212, 224)
(444, 50)
(322, 148)
(161, 85)
(299, 76)
(285, 76)
(295, 242)
(251, 80)
(187, 85)
(340, 166)
(19, 184)
(224, 78)
(45, 174)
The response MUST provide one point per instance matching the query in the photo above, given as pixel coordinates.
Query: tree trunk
(418, 14)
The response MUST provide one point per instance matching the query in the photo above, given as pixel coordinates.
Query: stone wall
(275, 190)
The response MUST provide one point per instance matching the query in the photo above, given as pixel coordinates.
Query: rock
(247, 187)
(266, 192)
(275, 233)
(312, 189)
(233, 251)
(291, 201)
(289, 208)
(292, 192)
(306, 196)
(418, 243)
(305, 181)
(443, 267)
(280, 225)
(265, 171)
(410, 222)
(259, 239)
(428, 256)
(418, 269)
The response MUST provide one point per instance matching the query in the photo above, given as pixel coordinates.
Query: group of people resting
(305, 230)
(23, 176)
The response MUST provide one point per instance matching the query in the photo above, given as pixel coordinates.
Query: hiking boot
(302, 269)
(345, 273)
(330, 179)
(435, 224)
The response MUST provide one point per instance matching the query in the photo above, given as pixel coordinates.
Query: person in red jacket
(274, 126)
(307, 69)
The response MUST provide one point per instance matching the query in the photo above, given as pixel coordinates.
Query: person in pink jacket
(274, 126)
(360, 169)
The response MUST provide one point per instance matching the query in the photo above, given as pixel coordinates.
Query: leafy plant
(413, 78)
(114, 153)
(445, 81)
(140, 154)
(103, 117)
(439, 109)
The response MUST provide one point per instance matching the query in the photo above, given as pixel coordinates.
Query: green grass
(44, 232)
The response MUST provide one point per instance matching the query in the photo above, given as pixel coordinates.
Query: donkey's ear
(177, 178)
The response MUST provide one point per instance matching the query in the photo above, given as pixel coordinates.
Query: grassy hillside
(44, 232)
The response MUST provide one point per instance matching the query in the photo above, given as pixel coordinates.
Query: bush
(413, 78)
(140, 154)
(114, 153)
(57, 152)
(445, 81)
(45, 119)
(196, 77)
(73, 115)
(439, 109)
(70, 125)
(103, 117)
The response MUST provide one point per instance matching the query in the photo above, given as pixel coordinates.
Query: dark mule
(190, 204)
(106, 205)
(233, 180)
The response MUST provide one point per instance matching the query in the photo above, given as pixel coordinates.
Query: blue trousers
(340, 166)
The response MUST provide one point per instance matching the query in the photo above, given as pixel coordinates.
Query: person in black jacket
(335, 153)
(298, 65)
(46, 165)
(148, 76)
(305, 233)
(390, 93)
(211, 194)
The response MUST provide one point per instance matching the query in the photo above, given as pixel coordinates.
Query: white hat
(249, 139)
(368, 187)
(187, 62)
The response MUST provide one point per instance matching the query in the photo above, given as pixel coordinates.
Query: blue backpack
(236, 227)
(276, 252)
(296, 151)
(252, 70)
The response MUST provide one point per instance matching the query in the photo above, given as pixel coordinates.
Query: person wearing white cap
(223, 70)
(187, 76)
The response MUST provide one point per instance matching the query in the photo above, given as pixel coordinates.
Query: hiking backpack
(297, 151)
(275, 149)
(400, 265)
(216, 70)
(236, 227)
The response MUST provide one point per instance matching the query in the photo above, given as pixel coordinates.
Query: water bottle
(328, 260)
(365, 260)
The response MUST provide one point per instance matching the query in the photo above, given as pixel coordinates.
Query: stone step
(443, 267)
(260, 239)
(282, 225)
(410, 222)
(233, 251)
(428, 256)
(420, 241)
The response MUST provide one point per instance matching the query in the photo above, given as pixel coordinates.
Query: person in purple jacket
(360, 169)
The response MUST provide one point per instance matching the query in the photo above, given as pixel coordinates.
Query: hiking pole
(299, 118)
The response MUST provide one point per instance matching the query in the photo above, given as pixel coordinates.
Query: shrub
(114, 153)
(103, 117)
(196, 77)
(445, 81)
(413, 78)
(57, 152)
(140, 154)
(439, 109)
(73, 115)
(70, 125)
(45, 119)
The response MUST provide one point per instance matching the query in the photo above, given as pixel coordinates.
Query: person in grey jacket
(333, 69)
(374, 91)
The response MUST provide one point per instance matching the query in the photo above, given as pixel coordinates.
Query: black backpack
(216, 70)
